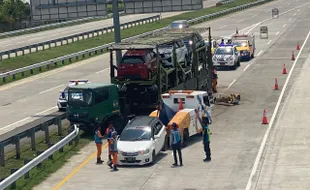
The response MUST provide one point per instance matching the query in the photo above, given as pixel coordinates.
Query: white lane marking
(298, 10)
(260, 52)
(23, 100)
(269, 42)
(257, 24)
(262, 147)
(277, 33)
(240, 21)
(290, 19)
(246, 67)
(103, 70)
(50, 89)
(255, 15)
(8, 126)
(294, 14)
(223, 27)
(232, 83)
(284, 25)
(266, 11)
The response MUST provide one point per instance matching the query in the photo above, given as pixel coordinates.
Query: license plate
(130, 159)
(222, 63)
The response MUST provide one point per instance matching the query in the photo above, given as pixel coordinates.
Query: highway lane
(21, 100)
(237, 132)
(37, 37)
(284, 163)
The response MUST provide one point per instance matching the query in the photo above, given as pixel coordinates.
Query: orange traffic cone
(265, 120)
(181, 105)
(284, 70)
(276, 86)
(297, 47)
(293, 56)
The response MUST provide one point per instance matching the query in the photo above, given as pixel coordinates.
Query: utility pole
(210, 62)
(117, 29)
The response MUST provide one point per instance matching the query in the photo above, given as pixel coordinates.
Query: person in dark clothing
(176, 144)
(206, 139)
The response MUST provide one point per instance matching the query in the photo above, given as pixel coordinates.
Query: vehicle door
(236, 54)
(158, 136)
(149, 60)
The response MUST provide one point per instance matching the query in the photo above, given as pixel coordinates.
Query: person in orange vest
(109, 131)
(214, 80)
(98, 141)
(113, 150)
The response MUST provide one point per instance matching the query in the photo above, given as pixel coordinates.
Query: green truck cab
(91, 104)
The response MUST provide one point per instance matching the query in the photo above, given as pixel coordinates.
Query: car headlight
(144, 151)
(180, 26)
(190, 42)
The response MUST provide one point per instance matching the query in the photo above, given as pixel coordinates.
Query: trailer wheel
(185, 137)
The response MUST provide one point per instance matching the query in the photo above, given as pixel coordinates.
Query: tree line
(13, 12)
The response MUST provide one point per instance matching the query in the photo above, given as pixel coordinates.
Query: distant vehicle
(199, 42)
(226, 56)
(138, 64)
(141, 140)
(63, 97)
(179, 24)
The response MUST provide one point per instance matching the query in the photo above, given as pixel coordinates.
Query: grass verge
(109, 6)
(29, 59)
(38, 174)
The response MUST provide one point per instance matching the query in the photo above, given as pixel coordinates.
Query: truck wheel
(185, 137)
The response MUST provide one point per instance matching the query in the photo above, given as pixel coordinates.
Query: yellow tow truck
(245, 44)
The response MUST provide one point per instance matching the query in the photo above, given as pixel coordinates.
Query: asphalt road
(237, 131)
(37, 37)
(36, 96)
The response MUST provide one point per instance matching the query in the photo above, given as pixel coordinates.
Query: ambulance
(245, 45)
(183, 107)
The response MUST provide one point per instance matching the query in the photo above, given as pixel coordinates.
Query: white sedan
(141, 140)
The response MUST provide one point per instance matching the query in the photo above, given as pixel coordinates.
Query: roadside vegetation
(121, 8)
(29, 59)
(49, 166)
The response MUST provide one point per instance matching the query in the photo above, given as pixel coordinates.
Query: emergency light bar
(226, 45)
(180, 91)
(82, 80)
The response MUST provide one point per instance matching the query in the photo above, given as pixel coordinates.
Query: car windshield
(132, 60)
(224, 51)
(136, 134)
(240, 43)
(79, 98)
(177, 25)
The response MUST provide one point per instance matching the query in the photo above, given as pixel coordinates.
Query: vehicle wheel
(185, 137)
(166, 145)
(252, 54)
(153, 157)
(234, 67)
(238, 63)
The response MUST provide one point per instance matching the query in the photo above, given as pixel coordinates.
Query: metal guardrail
(59, 24)
(74, 37)
(36, 161)
(95, 50)
(29, 130)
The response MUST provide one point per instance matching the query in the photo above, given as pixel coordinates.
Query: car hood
(133, 146)
(222, 57)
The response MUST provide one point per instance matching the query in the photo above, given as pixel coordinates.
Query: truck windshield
(136, 134)
(240, 43)
(224, 51)
(132, 60)
(79, 97)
